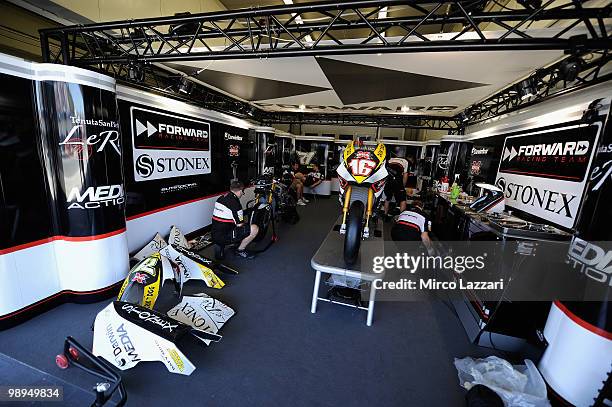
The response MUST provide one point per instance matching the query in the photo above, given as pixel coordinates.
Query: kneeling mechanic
(228, 224)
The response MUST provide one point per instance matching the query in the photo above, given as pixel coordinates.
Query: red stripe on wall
(583, 323)
(64, 292)
(165, 208)
(65, 238)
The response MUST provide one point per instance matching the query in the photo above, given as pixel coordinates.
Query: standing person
(298, 183)
(395, 186)
(228, 224)
(412, 225)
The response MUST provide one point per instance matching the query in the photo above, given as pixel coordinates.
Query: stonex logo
(546, 199)
(189, 312)
(96, 197)
(169, 145)
(146, 165)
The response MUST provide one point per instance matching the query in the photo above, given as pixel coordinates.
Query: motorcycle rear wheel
(354, 230)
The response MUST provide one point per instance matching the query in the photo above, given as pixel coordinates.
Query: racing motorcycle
(361, 174)
(273, 199)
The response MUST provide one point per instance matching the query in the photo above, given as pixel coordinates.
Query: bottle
(455, 189)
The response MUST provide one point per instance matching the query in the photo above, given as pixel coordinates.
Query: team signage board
(544, 173)
(168, 145)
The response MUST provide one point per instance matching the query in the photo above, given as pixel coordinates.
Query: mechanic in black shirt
(412, 225)
(395, 186)
(228, 223)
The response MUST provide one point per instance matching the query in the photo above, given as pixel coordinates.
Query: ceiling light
(569, 69)
(183, 28)
(185, 86)
(302, 107)
(525, 89)
(463, 117)
(405, 109)
(135, 72)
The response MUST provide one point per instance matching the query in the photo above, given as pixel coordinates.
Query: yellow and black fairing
(145, 280)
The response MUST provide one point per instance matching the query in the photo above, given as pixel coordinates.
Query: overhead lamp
(405, 109)
(185, 86)
(135, 72)
(592, 111)
(530, 4)
(463, 117)
(302, 107)
(569, 69)
(183, 28)
(525, 89)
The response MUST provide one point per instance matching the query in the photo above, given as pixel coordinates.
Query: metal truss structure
(590, 68)
(350, 119)
(130, 50)
(322, 28)
(158, 80)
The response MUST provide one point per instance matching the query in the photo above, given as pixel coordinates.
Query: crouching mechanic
(412, 225)
(228, 224)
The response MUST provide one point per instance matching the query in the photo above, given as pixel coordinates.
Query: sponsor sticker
(139, 278)
(82, 142)
(544, 173)
(168, 145)
(95, 197)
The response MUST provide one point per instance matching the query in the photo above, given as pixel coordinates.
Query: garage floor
(274, 351)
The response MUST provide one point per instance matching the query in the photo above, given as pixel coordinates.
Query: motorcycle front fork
(345, 209)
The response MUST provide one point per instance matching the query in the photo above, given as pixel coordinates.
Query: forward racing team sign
(544, 173)
(167, 145)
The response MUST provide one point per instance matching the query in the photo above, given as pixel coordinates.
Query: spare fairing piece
(126, 334)
(145, 280)
(206, 262)
(202, 312)
(193, 266)
(153, 246)
(177, 238)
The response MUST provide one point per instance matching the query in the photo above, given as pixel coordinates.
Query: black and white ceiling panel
(438, 83)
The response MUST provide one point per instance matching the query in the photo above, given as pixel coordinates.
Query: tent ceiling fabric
(247, 87)
(376, 84)
(437, 83)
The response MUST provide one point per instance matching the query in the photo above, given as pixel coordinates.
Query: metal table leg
(371, 304)
(315, 292)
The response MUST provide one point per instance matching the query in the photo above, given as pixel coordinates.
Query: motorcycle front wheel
(354, 229)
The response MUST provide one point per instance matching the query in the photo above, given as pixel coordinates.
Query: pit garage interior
(124, 119)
